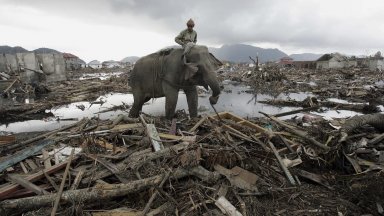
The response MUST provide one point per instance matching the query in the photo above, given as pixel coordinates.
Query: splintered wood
(232, 166)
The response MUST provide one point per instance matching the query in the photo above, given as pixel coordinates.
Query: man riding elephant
(163, 74)
(187, 35)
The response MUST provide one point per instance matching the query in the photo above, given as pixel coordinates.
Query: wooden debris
(226, 207)
(7, 139)
(26, 184)
(10, 188)
(59, 193)
(93, 194)
(239, 177)
(23, 154)
(282, 165)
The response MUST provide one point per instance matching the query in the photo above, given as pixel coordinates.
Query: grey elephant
(165, 72)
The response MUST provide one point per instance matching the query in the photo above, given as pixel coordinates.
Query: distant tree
(378, 54)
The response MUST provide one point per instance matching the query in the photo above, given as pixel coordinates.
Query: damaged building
(335, 60)
(376, 63)
(32, 67)
(73, 62)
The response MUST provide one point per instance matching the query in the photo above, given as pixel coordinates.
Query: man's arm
(195, 40)
(179, 38)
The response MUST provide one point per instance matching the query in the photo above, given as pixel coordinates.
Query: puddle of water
(237, 101)
(101, 76)
(331, 114)
(336, 100)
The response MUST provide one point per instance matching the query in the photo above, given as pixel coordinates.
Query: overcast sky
(114, 29)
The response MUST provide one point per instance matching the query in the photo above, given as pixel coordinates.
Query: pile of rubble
(220, 164)
(21, 101)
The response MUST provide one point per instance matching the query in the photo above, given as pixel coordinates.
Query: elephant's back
(142, 70)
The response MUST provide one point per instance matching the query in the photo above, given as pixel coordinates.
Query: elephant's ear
(216, 62)
(190, 70)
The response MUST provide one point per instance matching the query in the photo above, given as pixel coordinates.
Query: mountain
(241, 53)
(45, 50)
(17, 49)
(305, 56)
(12, 50)
(130, 59)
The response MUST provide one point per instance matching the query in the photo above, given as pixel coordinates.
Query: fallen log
(94, 194)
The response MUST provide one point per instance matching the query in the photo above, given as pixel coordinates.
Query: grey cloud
(296, 23)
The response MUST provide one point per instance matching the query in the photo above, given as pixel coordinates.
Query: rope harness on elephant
(158, 68)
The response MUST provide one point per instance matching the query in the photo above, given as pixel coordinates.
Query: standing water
(235, 99)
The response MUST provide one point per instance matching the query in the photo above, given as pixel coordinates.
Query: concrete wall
(332, 63)
(376, 64)
(3, 63)
(28, 60)
(12, 62)
(53, 66)
(322, 65)
(60, 72)
(335, 64)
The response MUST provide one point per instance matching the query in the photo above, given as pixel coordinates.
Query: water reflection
(238, 101)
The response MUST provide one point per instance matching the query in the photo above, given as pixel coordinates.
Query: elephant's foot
(193, 114)
(134, 113)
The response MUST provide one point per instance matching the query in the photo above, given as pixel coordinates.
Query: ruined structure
(33, 67)
(73, 62)
(335, 60)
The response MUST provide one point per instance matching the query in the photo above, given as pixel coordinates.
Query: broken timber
(99, 193)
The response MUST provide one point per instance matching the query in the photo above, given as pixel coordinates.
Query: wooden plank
(78, 178)
(60, 192)
(26, 184)
(47, 159)
(31, 164)
(23, 167)
(7, 139)
(10, 86)
(201, 121)
(179, 138)
(239, 177)
(23, 154)
(226, 207)
(282, 165)
(155, 138)
(239, 120)
(10, 188)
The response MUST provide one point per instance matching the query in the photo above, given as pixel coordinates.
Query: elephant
(165, 72)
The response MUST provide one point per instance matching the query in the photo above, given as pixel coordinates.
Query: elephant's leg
(192, 100)
(171, 95)
(138, 102)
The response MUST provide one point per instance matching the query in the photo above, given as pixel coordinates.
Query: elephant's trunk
(211, 81)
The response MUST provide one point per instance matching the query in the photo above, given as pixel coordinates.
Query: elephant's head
(200, 68)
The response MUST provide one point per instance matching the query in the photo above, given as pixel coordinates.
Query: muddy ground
(288, 163)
